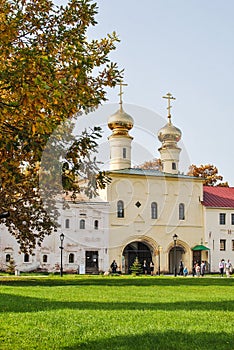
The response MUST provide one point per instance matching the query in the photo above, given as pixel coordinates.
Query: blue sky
(184, 47)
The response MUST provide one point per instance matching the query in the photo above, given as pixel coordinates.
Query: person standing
(151, 268)
(114, 266)
(221, 267)
(228, 268)
(198, 270)
(145, 267)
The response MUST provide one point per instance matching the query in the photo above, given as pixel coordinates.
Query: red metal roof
(219, 197)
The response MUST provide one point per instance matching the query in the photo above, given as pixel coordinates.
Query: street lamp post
(175, 265)
(61, 254)
(159, 253)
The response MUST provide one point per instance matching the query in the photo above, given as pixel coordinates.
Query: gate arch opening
(180, 253)
(136, 249)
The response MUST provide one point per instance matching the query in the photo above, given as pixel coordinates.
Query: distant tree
(209, 173)
(154, 164)
(49, 72)
(136, 267)
(11, 267)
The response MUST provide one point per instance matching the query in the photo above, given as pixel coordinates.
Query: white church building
(158, 216)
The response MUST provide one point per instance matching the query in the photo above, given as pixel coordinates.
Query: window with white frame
(120, 209)
(96, 224)
(26, 257)
(222, 218)
(82, 224)
(222, 244)
(232, 219)
(8, 257)
(71, 258)
(154, 213)
(181, 211)
(67, 223)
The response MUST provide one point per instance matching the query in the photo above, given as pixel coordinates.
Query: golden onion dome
(169, 134)
(120, 122)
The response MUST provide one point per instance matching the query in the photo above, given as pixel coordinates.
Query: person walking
(181, 268)
(185, 271)
(203, 268)
(221, 267)
(194, 269)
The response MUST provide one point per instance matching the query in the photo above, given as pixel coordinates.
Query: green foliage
(49, 73)
(136, 267)
(87, 312)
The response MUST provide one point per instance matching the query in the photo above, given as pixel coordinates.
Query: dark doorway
(91, 262)
(197, 256)
(133, 250)
(179, 256)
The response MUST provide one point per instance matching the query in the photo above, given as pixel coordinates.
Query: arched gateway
(176, 254)
(136, 249)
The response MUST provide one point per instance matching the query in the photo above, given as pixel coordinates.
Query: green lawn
(125, 312)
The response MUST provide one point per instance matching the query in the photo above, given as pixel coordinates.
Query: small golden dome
(120, 122)
(169, 134)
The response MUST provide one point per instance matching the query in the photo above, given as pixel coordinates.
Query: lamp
(175, 265)
(61, 254)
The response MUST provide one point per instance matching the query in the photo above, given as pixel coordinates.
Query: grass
(125, 312)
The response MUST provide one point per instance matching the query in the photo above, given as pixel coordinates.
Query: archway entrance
(179, 255)
(133, 250)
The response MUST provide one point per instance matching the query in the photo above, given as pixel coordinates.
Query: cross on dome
(169, 97)
(121, 84)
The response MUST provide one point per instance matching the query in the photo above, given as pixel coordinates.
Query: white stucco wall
(214, 232)
(76, 241)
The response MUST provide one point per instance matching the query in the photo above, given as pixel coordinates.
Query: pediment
(139, 218)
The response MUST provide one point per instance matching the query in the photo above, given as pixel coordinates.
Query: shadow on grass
(16, 303)
(116, 281)
(169, 340)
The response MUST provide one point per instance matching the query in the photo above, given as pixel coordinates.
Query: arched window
(26, 257)
(82, 224)
(45, 258)
(67, 223)
(120, 209)
(154, 210)
(8, 257)
(181, 211)
(124, 153)
(71, 258)
(96, 224)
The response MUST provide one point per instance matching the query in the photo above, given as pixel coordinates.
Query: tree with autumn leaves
(49, 73)
(209, 173)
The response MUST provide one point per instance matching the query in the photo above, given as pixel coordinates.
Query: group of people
(225, 266)
(197, 270)
(183, 270)
(146, 269)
